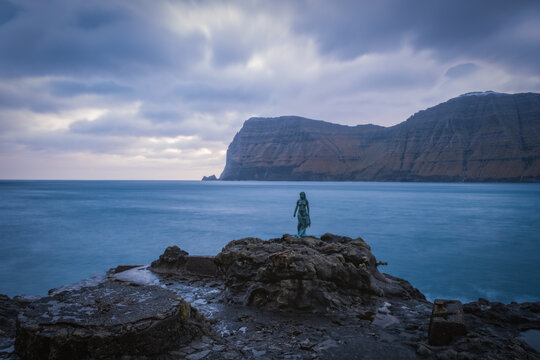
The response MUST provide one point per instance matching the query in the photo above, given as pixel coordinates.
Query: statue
(302, 206)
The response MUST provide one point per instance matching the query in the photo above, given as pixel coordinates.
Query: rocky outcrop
(309, 273)
(172, 258)
(523, 316)
(447, 322)
(9, 309)
(177, 261)
(106, 321)
(381, 317)
(474, 137)
(209, 178)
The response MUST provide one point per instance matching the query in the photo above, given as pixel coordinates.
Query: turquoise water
(449, 240)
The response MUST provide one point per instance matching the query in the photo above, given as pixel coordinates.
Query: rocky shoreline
(285, 298)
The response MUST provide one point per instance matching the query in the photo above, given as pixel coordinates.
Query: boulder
(309, 273)
(177, 261)
(447, 321)
(105, 322)
(172, 258)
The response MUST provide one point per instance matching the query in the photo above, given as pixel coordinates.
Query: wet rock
(258, 353)
(525, 315)
(366, 315)
(449, 354)
(9, 309)
(122, 268)
(306, 344)
(177, 261)
(198, 356)
(447, 321)
(532, 339)
(172, 258)
(218, 348)
(332, 272)
(106, 321)
(229, 355)
(423, 350)
(325, 345)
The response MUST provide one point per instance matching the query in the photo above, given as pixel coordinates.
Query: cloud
(461, 70)
(8, 11)
(74, 88)
(451, 29)
(93, 19)
(154, 85)
(69, 38)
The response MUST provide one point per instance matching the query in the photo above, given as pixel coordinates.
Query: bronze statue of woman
(302, 206)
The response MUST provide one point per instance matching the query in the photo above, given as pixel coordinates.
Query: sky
(133, 89)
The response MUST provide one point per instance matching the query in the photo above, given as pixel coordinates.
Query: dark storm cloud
(74, 88)
(227, 49)
(90, 20)
(484, 29)
(461, 70)
(73, 38)
(17, 100)
(219, 93)
(8, 11)
(173, 79)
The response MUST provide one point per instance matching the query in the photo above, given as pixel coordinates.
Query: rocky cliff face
(474, 137)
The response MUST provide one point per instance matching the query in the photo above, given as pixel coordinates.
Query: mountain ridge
(483, 136)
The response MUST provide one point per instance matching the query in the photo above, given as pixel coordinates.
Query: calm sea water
(449, 240)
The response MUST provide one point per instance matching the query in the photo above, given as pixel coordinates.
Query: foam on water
(138, 275)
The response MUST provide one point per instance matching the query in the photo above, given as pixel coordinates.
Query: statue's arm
(307, 206)
(295, 209)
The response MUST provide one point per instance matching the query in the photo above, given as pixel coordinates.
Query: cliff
(474, 137)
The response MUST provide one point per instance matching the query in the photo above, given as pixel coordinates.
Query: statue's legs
(302, 226)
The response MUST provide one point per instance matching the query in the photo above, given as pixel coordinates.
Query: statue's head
(302, 195)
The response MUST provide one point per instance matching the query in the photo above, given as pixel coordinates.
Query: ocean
(450, 240)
